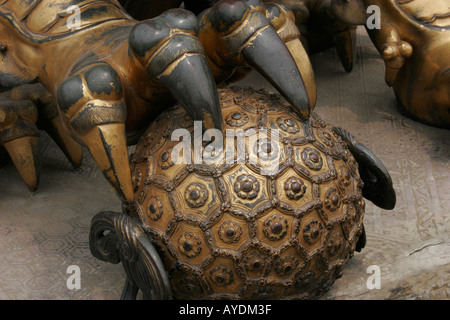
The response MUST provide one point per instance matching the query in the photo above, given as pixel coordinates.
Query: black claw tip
(192, 83)
(268, 55)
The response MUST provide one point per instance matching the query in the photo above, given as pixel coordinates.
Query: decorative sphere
(277, 219)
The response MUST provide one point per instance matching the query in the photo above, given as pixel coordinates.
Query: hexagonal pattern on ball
(275, 218)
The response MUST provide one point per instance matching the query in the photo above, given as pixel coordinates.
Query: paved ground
(44, 233)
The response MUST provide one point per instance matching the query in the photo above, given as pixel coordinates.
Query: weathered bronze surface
(227, 230)
(414, 42)
(111, 75)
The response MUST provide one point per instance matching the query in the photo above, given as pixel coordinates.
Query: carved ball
(278, 220)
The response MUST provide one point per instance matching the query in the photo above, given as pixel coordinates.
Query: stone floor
(43, 233)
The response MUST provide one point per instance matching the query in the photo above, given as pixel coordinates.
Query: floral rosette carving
(275, 228)
(196, 195)
(236, 119)
(295, 188)
(313, 231)
(155, 208)
(312, 158)
(189, 244)
(230, 232)
(246, 186)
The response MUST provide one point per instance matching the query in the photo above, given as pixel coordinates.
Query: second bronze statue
(413, 39)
